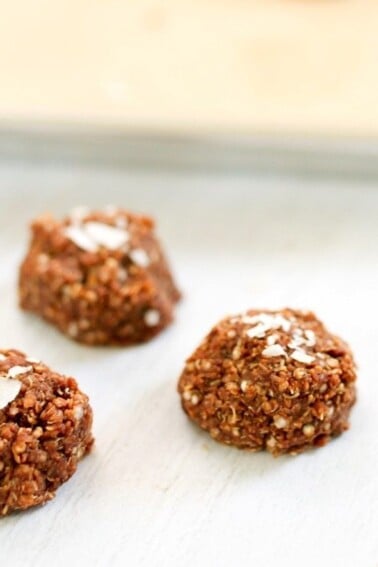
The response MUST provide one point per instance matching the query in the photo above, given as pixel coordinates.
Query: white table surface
(156, 491)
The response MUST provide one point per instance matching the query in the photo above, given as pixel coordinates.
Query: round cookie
(45, 429)
(100, 277)
(275, 380)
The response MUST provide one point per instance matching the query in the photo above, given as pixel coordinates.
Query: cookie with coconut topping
(45, 429)
(100, 277)
(274, 380)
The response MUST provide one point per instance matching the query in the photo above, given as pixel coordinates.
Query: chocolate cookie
(275, 380)
(45, 429)
(100, 277)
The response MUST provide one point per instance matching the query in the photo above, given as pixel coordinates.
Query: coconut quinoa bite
(274, 380)
(45, 430)
(100, 277)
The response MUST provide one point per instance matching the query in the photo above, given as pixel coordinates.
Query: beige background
(202, 65)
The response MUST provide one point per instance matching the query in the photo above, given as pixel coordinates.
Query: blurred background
(240, 84)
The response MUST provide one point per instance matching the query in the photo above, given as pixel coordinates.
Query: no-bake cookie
(275, 380)
(45, 429)
(100, 277)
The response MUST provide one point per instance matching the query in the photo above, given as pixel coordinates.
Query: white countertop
(157, 491)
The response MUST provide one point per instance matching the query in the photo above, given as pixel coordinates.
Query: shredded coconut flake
(285, 324)
(257, 332)
(311, 337)
(32, 360)
(9, 390)
(248, 320)
(302, 338)
(301, 356)
(105, 235)
(265, 322)
(90, 235)
(273, 350)
(152, 318)
(139, 257)
(17, 370)
(271, 340)
(80, 237)
(296, 342)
